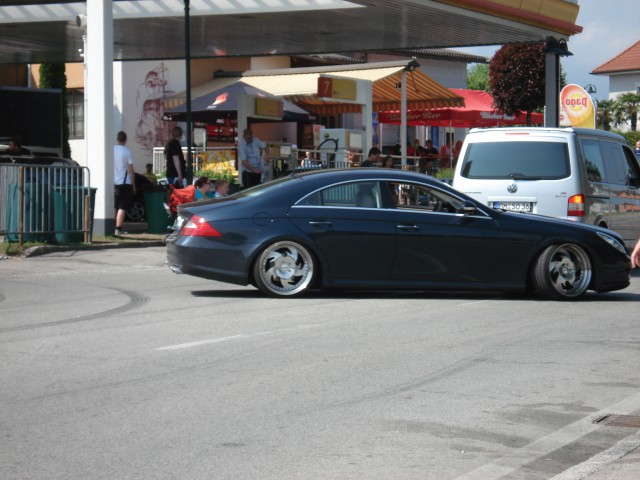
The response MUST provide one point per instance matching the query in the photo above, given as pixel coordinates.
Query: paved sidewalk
(136, 238)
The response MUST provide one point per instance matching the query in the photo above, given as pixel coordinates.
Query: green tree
(627, 107)
(478, 77)
(604, 114)
(52, 75)
(516, 78)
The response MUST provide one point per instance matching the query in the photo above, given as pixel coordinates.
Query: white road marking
(211, 341)
(549, 443)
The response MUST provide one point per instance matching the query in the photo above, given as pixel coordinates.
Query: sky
(609, 28)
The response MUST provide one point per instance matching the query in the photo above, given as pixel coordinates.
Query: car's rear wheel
(562, 272)
(284, 269)
(136, 211)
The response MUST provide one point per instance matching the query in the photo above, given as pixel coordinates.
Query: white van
(579, 174)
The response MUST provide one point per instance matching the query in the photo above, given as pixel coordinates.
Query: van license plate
(514, 206)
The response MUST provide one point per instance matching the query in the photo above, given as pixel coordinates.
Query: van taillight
(575, 207)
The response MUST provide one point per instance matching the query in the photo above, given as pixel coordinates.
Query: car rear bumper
(206, 258)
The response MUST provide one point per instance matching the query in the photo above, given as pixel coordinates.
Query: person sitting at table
(430, 155)
(456, 151)
(387, 162)
(203, 189)
(445, 154)
(308, 161)
(221, 188)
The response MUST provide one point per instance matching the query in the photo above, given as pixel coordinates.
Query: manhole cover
(631, 421)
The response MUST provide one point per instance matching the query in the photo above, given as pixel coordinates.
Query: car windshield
(523, 160)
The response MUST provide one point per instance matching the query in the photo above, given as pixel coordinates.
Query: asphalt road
(112, 367)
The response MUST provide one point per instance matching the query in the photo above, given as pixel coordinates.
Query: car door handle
(409, 228)
(323, 224)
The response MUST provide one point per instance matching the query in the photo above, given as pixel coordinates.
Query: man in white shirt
(124, 180)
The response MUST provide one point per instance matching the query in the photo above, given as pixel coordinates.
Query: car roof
(37, 160)
(551, 130)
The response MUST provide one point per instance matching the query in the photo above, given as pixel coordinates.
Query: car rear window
(523, 159)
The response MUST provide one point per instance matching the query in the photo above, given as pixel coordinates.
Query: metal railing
(46, 204)
(321, 159)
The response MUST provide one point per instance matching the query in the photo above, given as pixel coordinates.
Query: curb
(45, 249)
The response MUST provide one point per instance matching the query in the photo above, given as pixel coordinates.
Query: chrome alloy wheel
(284, 269)
(563, 272)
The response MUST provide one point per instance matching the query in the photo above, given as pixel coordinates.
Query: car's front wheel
(284, 269)
(562, 272)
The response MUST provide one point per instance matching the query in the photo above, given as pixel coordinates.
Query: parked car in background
(37, 160)
(387, 228)
(138, 210)
(578, 174)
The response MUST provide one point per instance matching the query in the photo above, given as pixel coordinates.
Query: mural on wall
(151, 130)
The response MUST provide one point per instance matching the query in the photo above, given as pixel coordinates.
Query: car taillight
(575, 208)
(198, 227)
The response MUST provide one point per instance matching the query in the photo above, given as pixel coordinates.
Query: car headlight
(614, 242)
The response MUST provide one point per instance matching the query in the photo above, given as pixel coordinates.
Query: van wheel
(562, 272)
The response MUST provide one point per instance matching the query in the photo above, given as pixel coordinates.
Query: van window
(621, 167)
(594, 160)
(633, 177)
(524, 159)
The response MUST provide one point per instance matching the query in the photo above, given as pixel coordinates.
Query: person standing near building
(637, 149)
(124, 180)
(250, 151)
(176, 165)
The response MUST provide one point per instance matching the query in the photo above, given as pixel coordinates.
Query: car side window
(412, 196)
(594, 161)
(353, 194)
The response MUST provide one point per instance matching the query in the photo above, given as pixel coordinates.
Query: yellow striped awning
(300, 86)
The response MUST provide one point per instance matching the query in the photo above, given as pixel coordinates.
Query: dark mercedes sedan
(369, 228)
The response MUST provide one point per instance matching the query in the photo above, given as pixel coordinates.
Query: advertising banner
(576, 108)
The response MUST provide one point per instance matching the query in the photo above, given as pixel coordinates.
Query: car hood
(536, 218)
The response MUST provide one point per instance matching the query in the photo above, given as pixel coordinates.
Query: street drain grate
(632, 421)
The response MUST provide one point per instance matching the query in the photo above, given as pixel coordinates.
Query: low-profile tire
(562, 272)
(284, 269)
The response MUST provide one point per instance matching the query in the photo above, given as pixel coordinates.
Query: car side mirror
(467, 208)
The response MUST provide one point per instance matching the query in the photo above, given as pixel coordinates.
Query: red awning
(477, 112)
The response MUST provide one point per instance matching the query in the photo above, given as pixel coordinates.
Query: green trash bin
(37, 217)
(157, 218)
(69, 209)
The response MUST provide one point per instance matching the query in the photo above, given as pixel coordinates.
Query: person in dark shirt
(16, 149)
(176, 164)
(373, 159)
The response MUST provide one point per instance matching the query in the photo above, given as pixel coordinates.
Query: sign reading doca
(576, 108)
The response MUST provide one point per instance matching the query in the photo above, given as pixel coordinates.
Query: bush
(445, 173)
(229, 175)
(632, 137)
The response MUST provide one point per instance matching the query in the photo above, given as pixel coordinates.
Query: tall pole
(187, 55)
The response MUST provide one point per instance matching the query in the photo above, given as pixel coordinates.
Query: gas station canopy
(51, 31)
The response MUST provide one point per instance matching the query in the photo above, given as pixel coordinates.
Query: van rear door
(520, 172)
